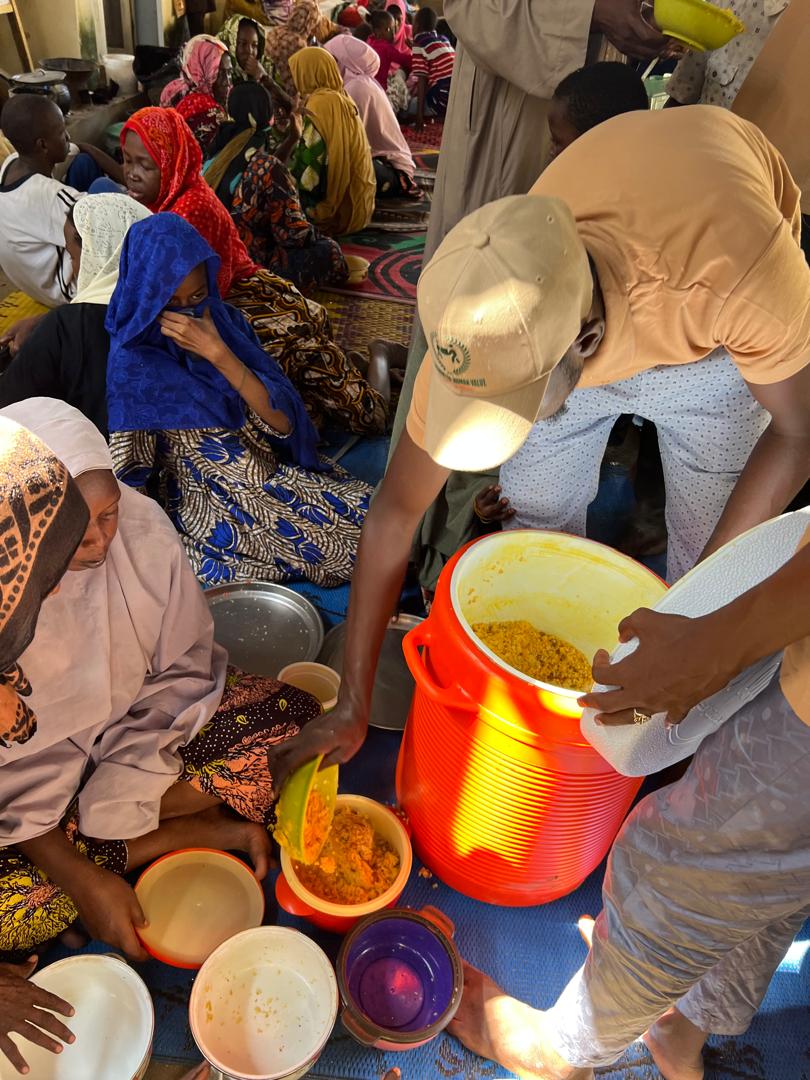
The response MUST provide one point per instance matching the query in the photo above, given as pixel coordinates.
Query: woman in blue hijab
(206, 419)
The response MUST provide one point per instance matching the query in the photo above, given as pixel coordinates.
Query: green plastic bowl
(292, 805)
(697, 23)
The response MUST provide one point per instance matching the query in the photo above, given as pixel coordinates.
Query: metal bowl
(264, 626)
(393, 685)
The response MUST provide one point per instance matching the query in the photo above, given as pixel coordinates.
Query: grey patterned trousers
(707, 884)
(707, 422)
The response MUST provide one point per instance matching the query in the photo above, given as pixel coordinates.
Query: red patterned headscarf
(172, 146)
(42, 521)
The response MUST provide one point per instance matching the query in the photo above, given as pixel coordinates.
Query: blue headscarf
(155, 385)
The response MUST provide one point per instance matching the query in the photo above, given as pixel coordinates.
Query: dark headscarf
(251, 111)
(42, 521)
(153, 384)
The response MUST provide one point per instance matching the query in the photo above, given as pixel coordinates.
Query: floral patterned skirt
(227, 758)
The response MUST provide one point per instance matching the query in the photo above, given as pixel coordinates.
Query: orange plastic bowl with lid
(296, 899)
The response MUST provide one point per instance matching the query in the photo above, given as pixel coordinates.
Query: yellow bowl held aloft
(305, 810)
(697, 23)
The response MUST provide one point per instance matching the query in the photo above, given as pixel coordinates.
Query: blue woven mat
(532, 952)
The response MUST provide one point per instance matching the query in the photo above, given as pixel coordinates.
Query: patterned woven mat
(429, 138)
(357, 320)
(395, 263)
(18, 306)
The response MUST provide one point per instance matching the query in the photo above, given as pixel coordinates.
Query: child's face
(563, 132)
(55, 139)
(386, 30)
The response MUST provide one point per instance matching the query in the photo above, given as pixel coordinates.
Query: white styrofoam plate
(637, 750)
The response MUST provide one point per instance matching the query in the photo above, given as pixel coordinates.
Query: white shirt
(32, 239)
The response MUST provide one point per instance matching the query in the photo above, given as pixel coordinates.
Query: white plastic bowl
(264, 1005)
(114, 1022)
(316, 679)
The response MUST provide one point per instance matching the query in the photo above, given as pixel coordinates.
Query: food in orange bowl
(362, 868)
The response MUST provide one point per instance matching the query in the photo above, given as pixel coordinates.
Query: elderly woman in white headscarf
(65, 357)
(144, 741)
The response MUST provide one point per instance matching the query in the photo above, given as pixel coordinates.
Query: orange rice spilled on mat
(541, 656)
(355, 864)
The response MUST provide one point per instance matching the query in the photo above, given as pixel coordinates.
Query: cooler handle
(449, 697)
(357, 1029)
(439, 919)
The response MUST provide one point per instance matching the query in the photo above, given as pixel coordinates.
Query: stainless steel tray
(264, 626)
(393, 686)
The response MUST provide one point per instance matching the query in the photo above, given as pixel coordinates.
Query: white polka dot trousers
(707, 423)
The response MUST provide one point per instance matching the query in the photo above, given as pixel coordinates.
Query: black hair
(425, 20)
(362, 30)
(379, 20)
(596, 93)
(443, 28)
(246, 21)
(23, 118)
(395, 12)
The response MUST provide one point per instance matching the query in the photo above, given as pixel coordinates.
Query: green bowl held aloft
(291, 810)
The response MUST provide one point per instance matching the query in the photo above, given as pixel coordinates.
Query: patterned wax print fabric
(242, 514)
(43, 520)
(204, 117)
(309, 164)
(227, 758)
(284, 41)
(172, 146)
(268, 214)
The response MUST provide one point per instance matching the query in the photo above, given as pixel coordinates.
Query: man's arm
(779, 464)
(412, 482)
(109, 165)
(533, 44)
(680, 662)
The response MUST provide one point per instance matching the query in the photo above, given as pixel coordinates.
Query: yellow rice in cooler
(355, 864)
(541, 656)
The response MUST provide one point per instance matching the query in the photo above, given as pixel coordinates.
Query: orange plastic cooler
(507, 801)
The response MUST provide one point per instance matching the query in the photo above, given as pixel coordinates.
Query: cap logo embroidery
(451, 359)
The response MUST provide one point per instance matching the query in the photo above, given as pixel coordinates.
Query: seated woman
(65, 356)
(304, 25)
(332, 163)
(244, 40)
(200, 412)
(393, 162)
(135, 736)
(28, 466)
(162, 165)
(200, 95)
(261, 195)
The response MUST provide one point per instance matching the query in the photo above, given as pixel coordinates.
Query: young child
(33, 205)
(403, 34)
(591, 95)
(432, 67)
(381, 40)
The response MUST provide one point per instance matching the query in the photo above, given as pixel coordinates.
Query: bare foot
(219, 828)
(502, 1029)
(676, 1046)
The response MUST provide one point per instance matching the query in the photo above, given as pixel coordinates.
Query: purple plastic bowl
(400, 975)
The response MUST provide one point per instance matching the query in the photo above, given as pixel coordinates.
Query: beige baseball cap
(501, 302)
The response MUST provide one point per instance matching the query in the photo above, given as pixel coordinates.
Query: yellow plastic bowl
(292, 806)
(697, 23)
(358, 269)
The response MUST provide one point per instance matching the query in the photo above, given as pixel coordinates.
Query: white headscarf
(102, 221)
(123, 665)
